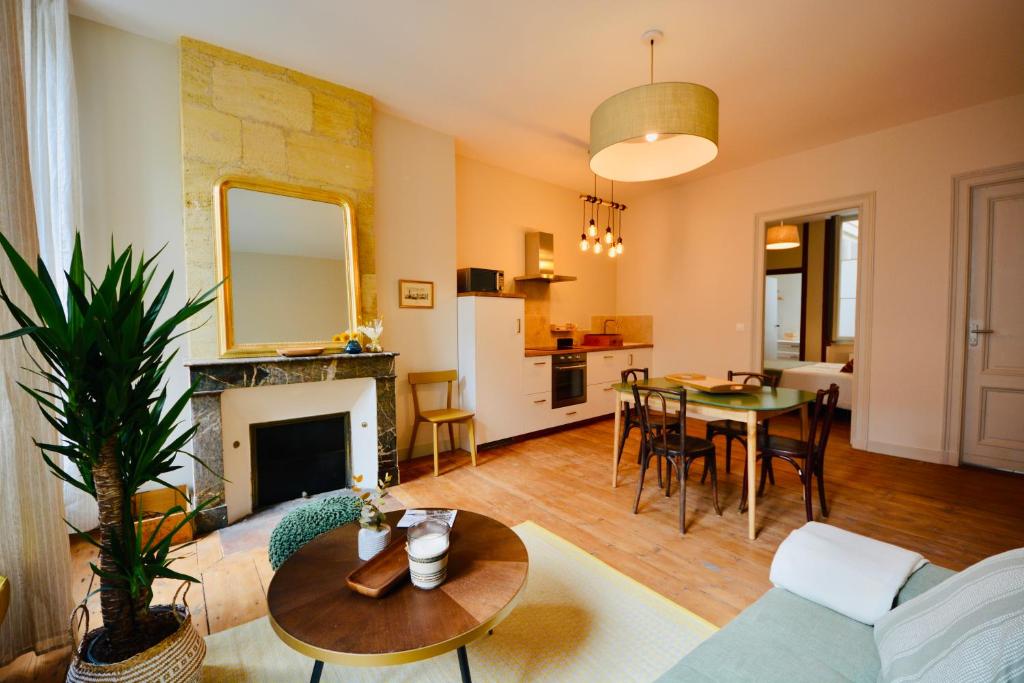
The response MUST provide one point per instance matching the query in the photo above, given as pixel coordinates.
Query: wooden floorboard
(954, 516)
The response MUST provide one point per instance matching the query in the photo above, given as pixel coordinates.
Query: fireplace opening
(293, 458)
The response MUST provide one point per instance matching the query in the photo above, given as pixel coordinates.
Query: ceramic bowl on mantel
(301, 351)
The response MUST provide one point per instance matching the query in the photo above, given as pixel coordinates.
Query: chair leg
(821, 492)
(644, 458)
(451, 436)
(669, 462)
(625, 434)
(709, 462)
(807, 474)
(412, 439)
(743, 488)
(437, 469)
(682, 470)
(472, 440)
(765, 468)
(658, 465)
(771, 473)
(728, 453)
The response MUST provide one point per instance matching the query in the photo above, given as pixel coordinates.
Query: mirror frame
(228, 346)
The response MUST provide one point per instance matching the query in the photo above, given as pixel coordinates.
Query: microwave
(480, 280)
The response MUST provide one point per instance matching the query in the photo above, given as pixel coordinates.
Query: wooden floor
(954, 516)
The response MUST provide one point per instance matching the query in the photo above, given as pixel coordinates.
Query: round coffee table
(315, 613)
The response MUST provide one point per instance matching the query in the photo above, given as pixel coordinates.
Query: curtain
(52, 117)
(34, 552)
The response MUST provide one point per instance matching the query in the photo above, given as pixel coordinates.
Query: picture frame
(415, 294)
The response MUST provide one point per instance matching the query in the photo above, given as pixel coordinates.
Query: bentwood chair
(678, 449)
(441, 416)
(807, 457)
(733, 429)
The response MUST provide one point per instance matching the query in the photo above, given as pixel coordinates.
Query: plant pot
(373, 541)
(177, 658)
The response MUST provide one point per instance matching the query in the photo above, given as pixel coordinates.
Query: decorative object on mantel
(353, 347)
(615, 209)
(415, 294)
(782, 237)
(301, 351)
(374, 532)
(373, 331)
(119, 430)
(654, 131)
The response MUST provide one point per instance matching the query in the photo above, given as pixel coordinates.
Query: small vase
(353, 347)
(373, 347)
(372, 541)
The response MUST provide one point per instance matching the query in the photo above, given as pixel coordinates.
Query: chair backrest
(821, 423)
(632, 375)
(5, 597)
(654, 422)
(435, 377)
(764, 380)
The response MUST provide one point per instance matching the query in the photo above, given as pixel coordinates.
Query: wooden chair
(733, 429)
(807, 457)
(678, 449)
(5, 597)
(447, 415)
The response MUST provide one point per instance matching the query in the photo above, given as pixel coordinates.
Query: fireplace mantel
(213, 377)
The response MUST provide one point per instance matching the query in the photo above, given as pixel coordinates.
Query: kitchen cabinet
(536, 374)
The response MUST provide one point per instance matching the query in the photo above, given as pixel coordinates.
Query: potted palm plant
(103, 360)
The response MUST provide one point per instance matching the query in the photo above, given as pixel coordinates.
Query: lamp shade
(782, 237)
(654, 131)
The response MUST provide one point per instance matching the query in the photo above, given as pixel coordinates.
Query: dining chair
(807, 457)
(677, 448)
(734, 429)
(440, 416)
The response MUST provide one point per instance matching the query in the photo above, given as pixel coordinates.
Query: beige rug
(579, 620)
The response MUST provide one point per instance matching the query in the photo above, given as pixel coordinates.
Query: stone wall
(243, 116)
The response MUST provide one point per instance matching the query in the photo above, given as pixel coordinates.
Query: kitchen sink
(602, 340)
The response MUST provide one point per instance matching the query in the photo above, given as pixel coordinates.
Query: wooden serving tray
(383, 572)
(714, 385)
(301, 351)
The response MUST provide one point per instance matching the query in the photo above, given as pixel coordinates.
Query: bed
(811, 376)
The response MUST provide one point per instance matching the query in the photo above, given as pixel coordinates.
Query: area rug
(579, 620)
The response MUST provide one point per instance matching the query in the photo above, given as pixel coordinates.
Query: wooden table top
(315, 613)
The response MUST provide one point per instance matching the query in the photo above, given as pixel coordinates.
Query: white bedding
(814, 376)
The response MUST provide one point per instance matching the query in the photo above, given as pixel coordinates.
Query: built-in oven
(568, 379)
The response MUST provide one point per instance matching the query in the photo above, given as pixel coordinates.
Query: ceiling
(515, 82)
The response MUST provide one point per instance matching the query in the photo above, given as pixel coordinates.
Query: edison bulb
(608, 237)
(592, 228)
(584, 244)
(618, 247)
(597, 246)
(612, 252)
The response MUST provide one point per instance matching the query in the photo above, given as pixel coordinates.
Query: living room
(488, 295)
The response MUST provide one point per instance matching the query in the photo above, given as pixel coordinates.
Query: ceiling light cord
(652, 61)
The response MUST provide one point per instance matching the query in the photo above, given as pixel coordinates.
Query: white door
(771, 317)
(993, 434)
(499, 369)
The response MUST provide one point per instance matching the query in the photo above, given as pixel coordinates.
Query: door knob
(972, 334)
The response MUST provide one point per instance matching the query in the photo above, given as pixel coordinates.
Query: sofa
(783, 637)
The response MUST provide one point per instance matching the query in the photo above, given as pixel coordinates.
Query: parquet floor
(954, 516)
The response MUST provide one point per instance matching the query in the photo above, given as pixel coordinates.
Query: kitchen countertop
(533, 353)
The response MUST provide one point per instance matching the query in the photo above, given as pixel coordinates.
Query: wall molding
(865, 205)
(959, 292)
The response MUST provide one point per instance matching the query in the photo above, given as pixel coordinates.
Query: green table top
(765, 400)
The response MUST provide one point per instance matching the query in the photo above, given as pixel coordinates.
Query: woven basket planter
(175, 659)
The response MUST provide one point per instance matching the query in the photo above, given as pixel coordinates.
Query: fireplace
(297, 458)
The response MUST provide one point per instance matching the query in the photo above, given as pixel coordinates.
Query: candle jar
(427, 544)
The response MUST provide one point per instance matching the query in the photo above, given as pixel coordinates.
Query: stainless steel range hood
(540, 259)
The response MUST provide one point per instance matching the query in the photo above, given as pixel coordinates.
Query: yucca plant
(103, 360)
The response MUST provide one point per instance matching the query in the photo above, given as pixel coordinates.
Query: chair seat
(443, 415)
(695, 446)
(783, 444)
(733, 427)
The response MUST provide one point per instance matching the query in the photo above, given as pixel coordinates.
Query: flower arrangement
(373, 330)
(371, 516)
(345, 337)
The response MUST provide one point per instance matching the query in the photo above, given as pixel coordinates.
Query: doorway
(987, 322)
(813, 267)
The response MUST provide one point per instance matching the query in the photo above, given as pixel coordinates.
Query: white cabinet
(536, 374)
(490, 364)
(605, 367)
(537, 413)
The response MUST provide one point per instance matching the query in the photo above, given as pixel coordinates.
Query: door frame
(959, 293)
(865, 205)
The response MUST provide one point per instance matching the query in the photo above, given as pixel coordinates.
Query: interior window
(844, 325)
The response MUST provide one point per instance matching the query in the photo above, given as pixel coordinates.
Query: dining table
(749, 406)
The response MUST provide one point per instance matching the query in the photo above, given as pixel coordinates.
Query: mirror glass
(290, 271)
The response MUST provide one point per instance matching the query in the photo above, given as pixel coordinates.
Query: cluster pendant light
(654, 131)
(610, 240)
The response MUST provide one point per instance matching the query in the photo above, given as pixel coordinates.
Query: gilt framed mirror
(287, 257)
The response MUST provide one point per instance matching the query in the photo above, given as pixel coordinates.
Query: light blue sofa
(783, 637)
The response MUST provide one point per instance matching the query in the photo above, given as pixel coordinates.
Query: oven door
(568, 384)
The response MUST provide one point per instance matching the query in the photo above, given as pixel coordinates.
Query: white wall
(496, 208)
(697, 240)
(414, 172)
(131, 161)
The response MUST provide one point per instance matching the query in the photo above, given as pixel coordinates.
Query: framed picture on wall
(415, 294)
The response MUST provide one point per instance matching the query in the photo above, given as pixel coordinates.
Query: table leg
(752, 474)
(803, 422)
(318, 668)
(615, 439)
(464, 665)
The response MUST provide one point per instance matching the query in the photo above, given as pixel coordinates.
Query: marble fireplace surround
(213, 377)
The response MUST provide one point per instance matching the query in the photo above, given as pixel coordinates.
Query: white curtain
(52, 111)
(34, 552)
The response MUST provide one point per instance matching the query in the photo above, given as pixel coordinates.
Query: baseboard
(909, 452)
